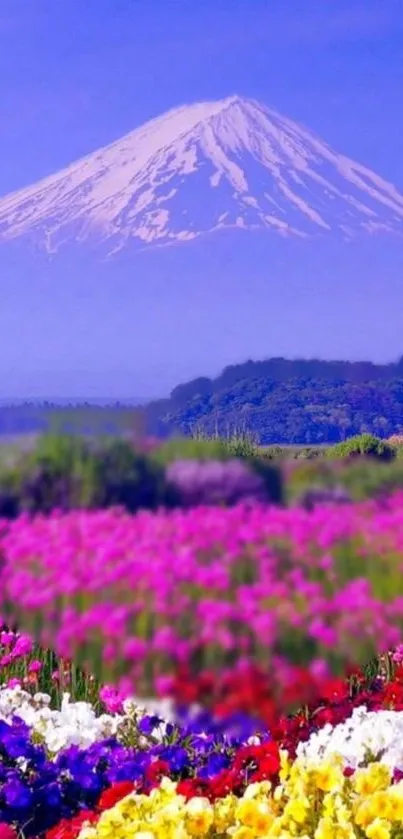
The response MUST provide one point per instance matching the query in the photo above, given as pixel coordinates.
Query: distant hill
(286, 401)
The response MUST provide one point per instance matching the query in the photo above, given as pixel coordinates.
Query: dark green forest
(287, 402)
(301, 402)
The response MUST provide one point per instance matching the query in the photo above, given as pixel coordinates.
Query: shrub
(362, 477)
(307, 453)
(190, 448)
(273, 452)
(368, 478)
(214, 482)
(130, 479)
(58, 473)
(302, 474)
(315, 495)
(9, 504)
(395, 440)
(242, 445)
(363, 444)
(71, 473)
(272, 476)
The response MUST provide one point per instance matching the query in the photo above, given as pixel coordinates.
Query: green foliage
(362, 477)
(302, 475)
(242, 445)
(363, 444)
(282, 402)
(9, 495)
(70, 472)
(397, 449)
(202, 448)
(130, 479)
(370, 478)
(191, 448)
(273, 452)
(237, 443)
(58, 472)
(272, 476)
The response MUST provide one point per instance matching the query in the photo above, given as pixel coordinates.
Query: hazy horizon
(76, 77)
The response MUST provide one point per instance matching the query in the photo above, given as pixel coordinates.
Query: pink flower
(23, 646)
(111, 699)
(7, 638)
(6, 660)
(7, 832)
(14, 683)
(398, 654)
(35, 666)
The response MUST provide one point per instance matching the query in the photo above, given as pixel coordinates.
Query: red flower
(115, 793)
(263, 761)
(335, 690)
(393, 694)
(7, 832)
(193, 787)
(229, 780)
(156, 771)
(67, 828)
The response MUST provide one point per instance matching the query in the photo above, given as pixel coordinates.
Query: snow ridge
(198, 168)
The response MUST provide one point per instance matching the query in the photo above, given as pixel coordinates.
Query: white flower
(75, 724)
(379, 733)
(130, 707)
(42, 699)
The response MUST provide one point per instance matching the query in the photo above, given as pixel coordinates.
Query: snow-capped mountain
(228, 164)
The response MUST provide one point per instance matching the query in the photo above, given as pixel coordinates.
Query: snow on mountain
(228, 164)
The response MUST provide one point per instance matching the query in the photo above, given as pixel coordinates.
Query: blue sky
(77, 74)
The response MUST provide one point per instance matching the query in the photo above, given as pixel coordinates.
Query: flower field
(207, 671)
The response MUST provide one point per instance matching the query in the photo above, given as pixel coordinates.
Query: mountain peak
(230, 163)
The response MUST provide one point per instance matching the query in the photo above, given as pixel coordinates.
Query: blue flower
(147, 724)
(17, 796)
(214, 765)
(176, 756)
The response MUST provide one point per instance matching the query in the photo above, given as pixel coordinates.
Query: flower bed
(213, 611)
(58, 771)
(132, 599)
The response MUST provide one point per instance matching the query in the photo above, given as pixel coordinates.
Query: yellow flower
(363, 815)
(297, 809)
(167, 786)
(199, 816)
(395, 800)
(284, 764)
(243, 832)
(329, 804)
(382, 805)
(328, 778)
(279, 793)
(257, 789)
(224, 814)
(255, 814)
(374, 777)
(379, 829)
(325, 829)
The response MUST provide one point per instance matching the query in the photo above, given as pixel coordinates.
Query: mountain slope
(227, 164)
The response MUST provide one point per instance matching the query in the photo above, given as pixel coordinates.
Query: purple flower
(215, 482)
(147, 724)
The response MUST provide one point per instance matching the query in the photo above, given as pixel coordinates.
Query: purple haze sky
(77, 74)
